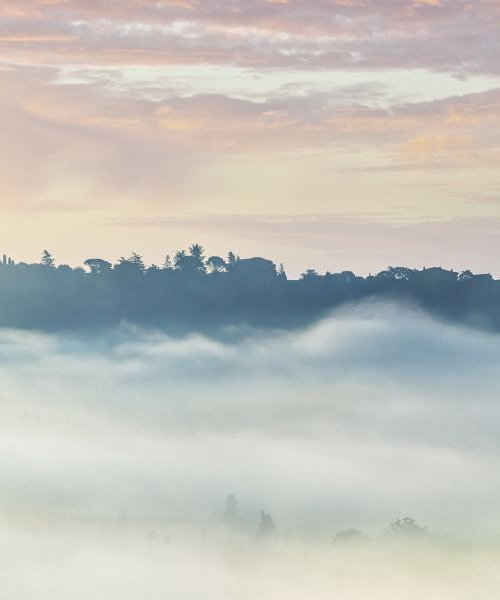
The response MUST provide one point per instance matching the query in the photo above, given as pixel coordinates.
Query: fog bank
(125, 447)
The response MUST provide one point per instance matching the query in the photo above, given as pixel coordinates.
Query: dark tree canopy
(192, 293)
(98, 265)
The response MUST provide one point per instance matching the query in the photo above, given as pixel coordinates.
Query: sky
(340, 134)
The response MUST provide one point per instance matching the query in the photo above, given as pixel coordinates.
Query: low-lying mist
(118, 453)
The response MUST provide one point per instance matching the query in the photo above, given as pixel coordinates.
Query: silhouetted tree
(7, 261)
(179, 256)
(249, 291)
(465, 276)
(167, 263)
(136, 259)
(47, 259)
(281, 273)
(196, 252)
(188, 264)
(255, 271)
(309, 274)
(347, 276)
(98, 266)
(216, 264)
(401, 273)
(64, 269)
(232, 259)
(133, 266)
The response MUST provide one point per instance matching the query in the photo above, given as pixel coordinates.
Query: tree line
(190, 291)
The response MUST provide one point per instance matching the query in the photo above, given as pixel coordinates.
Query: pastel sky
(341, 134)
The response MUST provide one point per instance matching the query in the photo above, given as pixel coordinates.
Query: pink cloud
(96, 122)
(451, 35)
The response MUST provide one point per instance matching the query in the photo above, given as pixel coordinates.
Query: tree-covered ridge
(191, 291)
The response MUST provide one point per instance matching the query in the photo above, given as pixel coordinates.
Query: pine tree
(48, 259)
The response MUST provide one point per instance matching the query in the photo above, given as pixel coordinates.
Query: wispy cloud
(450, 35)
(92, 131)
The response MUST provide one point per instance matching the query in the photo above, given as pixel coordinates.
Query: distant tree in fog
(406, 527)
(266, 525)
(347, 535)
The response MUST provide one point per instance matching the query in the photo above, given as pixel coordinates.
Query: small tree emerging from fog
(406, 527)
(348, 535)
(266, 525)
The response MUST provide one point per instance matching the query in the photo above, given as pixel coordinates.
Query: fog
(118, 453)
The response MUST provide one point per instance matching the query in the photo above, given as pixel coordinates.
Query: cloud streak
(92, 131)
(455, 36)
